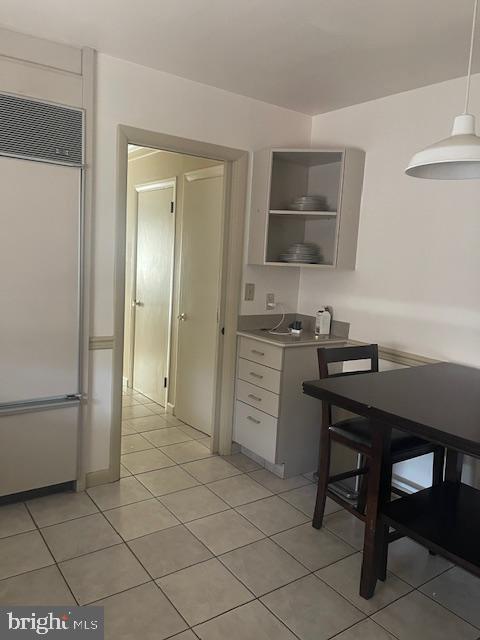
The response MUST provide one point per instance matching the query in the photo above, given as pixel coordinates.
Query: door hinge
(223, 331)
(172, 207)
(165, 383)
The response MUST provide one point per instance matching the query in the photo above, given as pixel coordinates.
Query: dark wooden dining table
(440, 403)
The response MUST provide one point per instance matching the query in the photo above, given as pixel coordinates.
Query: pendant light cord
(472, 42)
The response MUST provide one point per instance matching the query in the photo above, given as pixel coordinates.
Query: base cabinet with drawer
(273, 418)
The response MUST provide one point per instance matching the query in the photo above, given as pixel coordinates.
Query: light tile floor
(188, 545)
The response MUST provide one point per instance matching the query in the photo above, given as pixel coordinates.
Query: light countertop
(306, 339)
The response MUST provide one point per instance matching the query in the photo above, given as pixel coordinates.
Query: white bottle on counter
(323, 320)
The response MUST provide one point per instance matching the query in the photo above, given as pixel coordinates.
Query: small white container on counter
(323, 321)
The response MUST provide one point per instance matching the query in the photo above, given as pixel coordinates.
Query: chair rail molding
(399, 357)
(101, 342)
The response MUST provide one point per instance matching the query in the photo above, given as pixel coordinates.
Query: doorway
(235, 162)
(174, 239)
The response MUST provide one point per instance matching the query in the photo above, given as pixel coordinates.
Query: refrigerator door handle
(39, 404)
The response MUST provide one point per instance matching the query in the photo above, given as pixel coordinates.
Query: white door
(198, 330)
(153, 290)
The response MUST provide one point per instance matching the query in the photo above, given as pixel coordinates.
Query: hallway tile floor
(189, 545)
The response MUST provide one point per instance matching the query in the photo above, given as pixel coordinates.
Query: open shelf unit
(282, 175)
(443, 518)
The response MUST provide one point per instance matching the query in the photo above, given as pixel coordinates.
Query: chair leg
(323, 476)
(385, 529)
(437, 469)
(453, 466)
(362, 495)
(437, 473)
(383, 553)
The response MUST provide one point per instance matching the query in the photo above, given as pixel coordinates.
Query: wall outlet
(249, 291)
(270, 301)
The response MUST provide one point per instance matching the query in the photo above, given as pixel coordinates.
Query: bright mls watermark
(57, 622)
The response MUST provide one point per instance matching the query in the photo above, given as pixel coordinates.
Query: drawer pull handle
(252, 419)
(257, 352)
(250, 395)
(256, 375)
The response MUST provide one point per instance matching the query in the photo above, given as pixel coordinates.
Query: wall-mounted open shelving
(280, 176)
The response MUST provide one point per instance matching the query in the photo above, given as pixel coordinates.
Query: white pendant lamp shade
(456, 157)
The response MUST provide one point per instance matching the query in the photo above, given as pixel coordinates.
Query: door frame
(236, 185)
(139, 188)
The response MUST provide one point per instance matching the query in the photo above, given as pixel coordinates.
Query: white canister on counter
(323, 320)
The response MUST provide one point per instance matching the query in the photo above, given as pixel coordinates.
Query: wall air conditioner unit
(40, 131)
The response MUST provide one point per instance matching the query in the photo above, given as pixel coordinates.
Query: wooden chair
(355, 433)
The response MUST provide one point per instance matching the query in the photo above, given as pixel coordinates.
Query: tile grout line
(269, 537)
(255, 597)
(215, 556)
(229, 507)
(154, 580)
(310, 572)
(53, 558)
(476, 627)
(218, 557)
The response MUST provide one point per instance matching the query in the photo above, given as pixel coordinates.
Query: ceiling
(311, 56)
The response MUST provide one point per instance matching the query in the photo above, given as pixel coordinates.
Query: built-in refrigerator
(41, 165)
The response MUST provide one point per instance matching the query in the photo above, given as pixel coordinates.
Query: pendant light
(456, 157)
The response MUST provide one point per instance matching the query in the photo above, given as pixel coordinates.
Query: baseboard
(170, 407)
(102, 476)
(253, 456)
(405, 485)
(23, 496)
(276, 469)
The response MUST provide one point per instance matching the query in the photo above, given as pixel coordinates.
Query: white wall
(416, 286)
(133, 95)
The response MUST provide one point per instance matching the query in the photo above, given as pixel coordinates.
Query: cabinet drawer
(258, 397)
(255, 430)
(261, 352)
(259, 375)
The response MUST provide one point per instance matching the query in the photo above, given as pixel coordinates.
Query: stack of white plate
(303, 252)
(309, 203)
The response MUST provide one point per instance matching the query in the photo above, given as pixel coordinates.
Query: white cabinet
(273, 418)
(261, 352)
(280, 178)
(255, 430)
(264, 400)
(257, 374)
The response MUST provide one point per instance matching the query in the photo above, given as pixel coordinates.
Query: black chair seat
(359, 431)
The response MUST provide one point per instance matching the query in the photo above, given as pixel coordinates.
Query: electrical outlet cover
(270, 301)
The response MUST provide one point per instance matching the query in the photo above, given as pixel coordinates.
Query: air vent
(40, 131)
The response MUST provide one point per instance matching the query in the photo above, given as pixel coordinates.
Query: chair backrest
(335, 355)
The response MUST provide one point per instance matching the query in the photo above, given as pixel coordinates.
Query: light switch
(249, 291)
